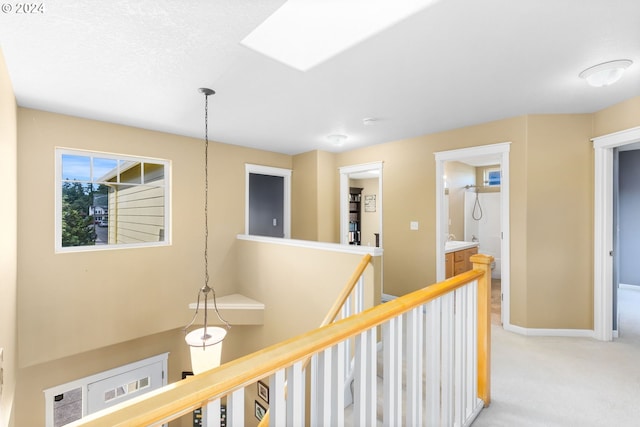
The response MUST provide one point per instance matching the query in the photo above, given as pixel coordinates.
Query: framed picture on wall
(369, 202)
(259, 410)
(263, 391)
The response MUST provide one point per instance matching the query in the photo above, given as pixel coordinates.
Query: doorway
(268, 201)
(367, 179)
(498, 156)
(603, 265)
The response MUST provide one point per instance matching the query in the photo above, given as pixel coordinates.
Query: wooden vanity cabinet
(448, 265)
(458, 262)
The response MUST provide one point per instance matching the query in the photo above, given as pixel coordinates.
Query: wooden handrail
(182, 397)
(346, 291)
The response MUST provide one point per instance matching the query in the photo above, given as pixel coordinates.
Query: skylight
(305, 33)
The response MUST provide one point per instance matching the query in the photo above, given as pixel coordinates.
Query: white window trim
(59, 152)
(273, 171)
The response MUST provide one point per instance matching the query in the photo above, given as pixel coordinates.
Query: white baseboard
(539, 332)
(630, 287)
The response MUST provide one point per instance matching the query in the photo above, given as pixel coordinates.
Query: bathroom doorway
(472, 204)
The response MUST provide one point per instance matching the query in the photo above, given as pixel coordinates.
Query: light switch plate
(413, 225)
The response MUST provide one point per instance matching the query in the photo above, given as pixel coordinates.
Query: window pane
(75, 168)
(130, 172)
(77, 219)
(494, 178)
(153, 172)
(104, 169)
(140, 213)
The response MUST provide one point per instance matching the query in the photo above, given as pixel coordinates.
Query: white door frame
(272, 171)
(500, 150)
(345, 171)
(603, 228)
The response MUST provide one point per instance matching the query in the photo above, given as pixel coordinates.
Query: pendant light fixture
(206, 342)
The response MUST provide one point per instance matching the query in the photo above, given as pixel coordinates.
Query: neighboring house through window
(109, 200)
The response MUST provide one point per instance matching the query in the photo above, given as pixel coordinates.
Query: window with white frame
(492, 177)
(109, 200)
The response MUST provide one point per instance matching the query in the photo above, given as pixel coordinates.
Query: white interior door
(107, 392)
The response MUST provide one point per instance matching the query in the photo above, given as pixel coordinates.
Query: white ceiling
(453, 64)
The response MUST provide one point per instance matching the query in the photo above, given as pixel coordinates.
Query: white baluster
(447, 359)
(277, 403)
(459, 354)
(295, 395)
(337, 381)
(235, 408)
(433, 350)
(392, 372)
(211, 413)
(413, 416)
(362, 407)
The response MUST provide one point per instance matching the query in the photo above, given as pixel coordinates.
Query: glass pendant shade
(206, 348)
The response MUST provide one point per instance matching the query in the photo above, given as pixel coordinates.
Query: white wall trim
(273, 171)
(603, 228)
(333, 247)
(543, 332)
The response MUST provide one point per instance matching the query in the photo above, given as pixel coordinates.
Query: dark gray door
(627, 229)
(266, 205)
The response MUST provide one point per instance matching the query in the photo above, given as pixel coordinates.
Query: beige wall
(559, 222)
(8, 244)
(314, 204)
(304, 196)
(624, 115)
(328, 198)
(73, 304)
(294, 283)
(409, 195)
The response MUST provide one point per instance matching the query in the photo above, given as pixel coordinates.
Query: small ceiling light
(337, 139)
(605, 74)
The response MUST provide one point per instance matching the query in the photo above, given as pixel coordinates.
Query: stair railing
(438, 336)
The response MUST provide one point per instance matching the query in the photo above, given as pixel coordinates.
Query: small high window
(492, 177)
(109, 200)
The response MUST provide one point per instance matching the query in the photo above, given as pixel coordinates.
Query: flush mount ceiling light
(605, 74)
(337, 139)
(305, 33)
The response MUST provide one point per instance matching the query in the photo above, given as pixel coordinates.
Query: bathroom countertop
(456, 245)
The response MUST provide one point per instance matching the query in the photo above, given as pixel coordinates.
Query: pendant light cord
(206, 216)
(206, 289)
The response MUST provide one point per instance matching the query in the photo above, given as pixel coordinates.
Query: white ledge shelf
(235, 308)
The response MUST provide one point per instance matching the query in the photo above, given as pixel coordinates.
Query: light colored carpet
(551, 381)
